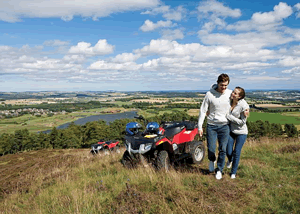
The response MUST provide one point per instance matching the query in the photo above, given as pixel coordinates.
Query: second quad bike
(105, 146)
(162, 145)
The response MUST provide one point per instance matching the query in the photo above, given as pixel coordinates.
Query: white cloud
(217, 9)
(104, 65)
(170, 14)
(266, 78)
(290, 61)
(294, 71)
(172, 34)
(247, 41)
(55, 43)
(281, 11)
(166, 47)
(14, 10)
(150, 26)
(126, 57)
(297, 6)
(267, 21)
(101, 48)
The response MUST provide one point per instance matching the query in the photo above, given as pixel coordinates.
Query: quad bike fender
(165, 144)
(185, 136)
(112, 145)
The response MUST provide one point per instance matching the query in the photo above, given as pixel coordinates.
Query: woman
(238, 129)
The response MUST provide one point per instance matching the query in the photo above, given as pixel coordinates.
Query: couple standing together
(226, 112)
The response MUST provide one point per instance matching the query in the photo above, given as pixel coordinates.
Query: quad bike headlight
(148, 146)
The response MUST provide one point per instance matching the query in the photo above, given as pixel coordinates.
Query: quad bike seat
(170, 131)
(189, 125)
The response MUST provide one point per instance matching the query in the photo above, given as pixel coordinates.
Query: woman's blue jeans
(234, 148)
(214, 132)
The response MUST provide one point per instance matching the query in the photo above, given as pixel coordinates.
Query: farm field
(36, 124)
(282, 118)
(73, 181)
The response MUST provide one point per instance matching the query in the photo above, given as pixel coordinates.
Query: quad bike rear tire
(127, 160)
(197, 152)
(163, 161)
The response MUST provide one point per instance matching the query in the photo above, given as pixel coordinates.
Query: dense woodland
(82, 136)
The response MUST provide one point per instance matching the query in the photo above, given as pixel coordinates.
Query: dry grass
(73, 181)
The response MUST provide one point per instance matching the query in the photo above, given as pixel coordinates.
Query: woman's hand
(247, 113)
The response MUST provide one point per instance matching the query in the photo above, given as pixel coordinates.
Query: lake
(106, 117)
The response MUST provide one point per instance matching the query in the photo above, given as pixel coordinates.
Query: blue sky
(136, 45)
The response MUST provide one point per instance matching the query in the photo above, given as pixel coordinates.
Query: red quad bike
(162, 145)
(105, 146)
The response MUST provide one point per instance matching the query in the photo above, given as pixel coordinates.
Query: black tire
(163, 160)
(127, 160)
(197, 152)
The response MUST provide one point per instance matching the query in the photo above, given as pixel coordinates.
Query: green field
(290, 117)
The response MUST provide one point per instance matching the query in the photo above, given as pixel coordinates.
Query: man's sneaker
(232, 176)
(219, 175)
(229, 164)
(211, 166)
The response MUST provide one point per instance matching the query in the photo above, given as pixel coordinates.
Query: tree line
(82, 136)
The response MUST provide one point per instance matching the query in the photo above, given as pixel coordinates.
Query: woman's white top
(237, 118)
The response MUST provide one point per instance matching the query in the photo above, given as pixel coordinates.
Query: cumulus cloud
(215, 12)
(104, 65)
(172, 34)
(293, 71)
(101, 48)
(125, 57)
(15, 10)
(281, 11)
(167, 47)
(150, 26)
(290, 61)
(176, 14)
(267, 21)
(297, 7)
(215, 8)
(266, 78)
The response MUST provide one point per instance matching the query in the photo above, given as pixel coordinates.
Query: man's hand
(200, 132)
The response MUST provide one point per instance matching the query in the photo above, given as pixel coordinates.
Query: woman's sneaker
(219, 175)
(232, 176)
(229, 164)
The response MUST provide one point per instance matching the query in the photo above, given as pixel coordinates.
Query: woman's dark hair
(223, 78)
(242, 92)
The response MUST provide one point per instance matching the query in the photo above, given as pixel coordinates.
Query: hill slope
(73, 181)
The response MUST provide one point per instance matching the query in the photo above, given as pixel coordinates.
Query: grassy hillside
(73, 181)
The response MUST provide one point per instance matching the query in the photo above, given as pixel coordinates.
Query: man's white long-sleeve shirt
(218, 105)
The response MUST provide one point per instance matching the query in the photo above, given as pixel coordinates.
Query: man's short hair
(223, 78)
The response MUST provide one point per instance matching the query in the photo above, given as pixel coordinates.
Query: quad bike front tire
(197, 152)
(127, 160)
(163, 160)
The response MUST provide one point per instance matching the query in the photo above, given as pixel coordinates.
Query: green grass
(290, 118)
(72, 181)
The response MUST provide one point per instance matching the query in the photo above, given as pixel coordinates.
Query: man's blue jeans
(234, 148)
(214, 132)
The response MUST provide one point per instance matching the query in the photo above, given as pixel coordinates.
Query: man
(216, 105)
